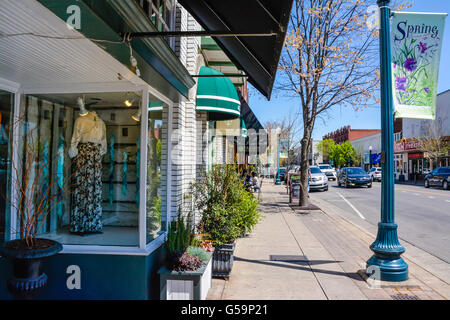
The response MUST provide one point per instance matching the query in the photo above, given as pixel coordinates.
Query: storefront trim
(116, 250)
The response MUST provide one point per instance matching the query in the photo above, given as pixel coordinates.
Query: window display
(6, 107)
(156, 170)
(87, 155)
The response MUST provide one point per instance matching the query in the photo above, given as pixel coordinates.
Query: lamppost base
(386, 259)
(277, 182)
(390, 268)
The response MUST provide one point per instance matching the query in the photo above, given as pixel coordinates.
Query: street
(422, 215)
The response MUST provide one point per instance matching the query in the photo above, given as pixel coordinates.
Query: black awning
(251, 122)
(257, 56)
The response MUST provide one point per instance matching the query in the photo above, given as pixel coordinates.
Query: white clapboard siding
(180, 290)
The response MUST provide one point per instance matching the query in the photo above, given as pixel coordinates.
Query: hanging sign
(284, 148)
(416, 41)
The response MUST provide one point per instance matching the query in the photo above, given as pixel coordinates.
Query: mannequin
(88, 145)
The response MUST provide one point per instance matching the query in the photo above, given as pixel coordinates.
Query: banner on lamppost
(284, 148)
(416, 42)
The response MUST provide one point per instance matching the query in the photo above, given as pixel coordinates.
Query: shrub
(227, 209)
(180, 235)
(198, 252)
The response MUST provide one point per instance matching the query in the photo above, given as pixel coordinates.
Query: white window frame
(143, 249)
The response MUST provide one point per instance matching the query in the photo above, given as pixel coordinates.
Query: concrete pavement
(313, 255)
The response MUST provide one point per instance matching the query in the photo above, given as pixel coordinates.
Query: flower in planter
(207, 245)
(183, 261)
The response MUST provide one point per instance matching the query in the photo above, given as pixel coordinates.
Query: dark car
(438, 178)
(282, 174)
(353, 176)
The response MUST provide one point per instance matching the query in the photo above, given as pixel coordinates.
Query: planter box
(223, 260)
(185, 285)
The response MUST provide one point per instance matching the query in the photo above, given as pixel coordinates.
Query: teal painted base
(387, 250)
(391, 269)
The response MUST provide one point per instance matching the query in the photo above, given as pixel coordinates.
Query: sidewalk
(316, 255)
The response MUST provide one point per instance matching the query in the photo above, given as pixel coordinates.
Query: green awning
(155, 109)
(217, 95)
(243, 129)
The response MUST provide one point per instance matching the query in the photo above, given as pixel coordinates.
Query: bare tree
(290, 130)
(433, 144)
(330, 58)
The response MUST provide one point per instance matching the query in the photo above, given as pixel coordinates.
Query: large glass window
(156, 168)
(80, 166)
(6, 111)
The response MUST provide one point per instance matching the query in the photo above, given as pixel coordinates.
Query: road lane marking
(431, 197)
(352, 206)
(444, 194)
(416, 194)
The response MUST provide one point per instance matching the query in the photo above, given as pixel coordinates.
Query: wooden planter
(185, 285)
(223, 260)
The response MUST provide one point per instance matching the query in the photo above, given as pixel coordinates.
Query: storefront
(110, 127)
(83, 149)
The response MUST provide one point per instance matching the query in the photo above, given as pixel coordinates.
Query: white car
(375, 174)
(328, 170)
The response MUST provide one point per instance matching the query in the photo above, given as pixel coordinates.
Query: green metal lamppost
(387, 249)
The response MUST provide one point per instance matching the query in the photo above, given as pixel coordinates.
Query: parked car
(375, 174)
(353, 176)
(318, 179)
(439, 177)
(329, 171)
(282, 173)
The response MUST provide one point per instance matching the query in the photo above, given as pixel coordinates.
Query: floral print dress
(86, 216)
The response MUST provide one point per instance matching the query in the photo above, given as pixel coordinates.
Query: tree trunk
(304, 169)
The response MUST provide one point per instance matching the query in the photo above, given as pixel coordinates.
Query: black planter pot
(223, 260)
(28, 278)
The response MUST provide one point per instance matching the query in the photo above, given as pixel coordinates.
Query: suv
(375, 174)
(328, 171)
(354, 176)
(438, 178)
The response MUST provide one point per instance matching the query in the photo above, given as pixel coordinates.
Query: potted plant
(34, 201)
(186, 274)
(227, 211)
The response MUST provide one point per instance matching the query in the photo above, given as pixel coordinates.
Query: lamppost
(387, 249)
(370, 157)
(278, 181)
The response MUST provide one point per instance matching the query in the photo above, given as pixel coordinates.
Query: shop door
(6, 107)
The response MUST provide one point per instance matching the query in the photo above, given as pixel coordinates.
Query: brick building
(348, 134)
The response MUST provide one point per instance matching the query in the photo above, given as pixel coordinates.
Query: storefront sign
(405, 145)
(415, 155)
(416, 40)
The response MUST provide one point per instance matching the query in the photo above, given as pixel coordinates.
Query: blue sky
(279, 107)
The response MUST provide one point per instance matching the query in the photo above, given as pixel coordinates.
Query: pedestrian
(254, 182)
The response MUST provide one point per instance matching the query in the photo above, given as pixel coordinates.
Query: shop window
(156, 169)
(86, 166)
(6, 107)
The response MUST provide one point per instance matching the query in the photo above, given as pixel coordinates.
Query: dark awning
(251, 122)
(257, 56)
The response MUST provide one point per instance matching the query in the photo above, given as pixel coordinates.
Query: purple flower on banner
(422, 47)
(410, 64)
(426, 90)
(395, 64)
(401, 83)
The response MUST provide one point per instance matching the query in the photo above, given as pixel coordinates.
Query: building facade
(348, 134)
(65, 62)
(412, 161)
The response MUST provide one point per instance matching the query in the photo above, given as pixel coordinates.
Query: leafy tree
(325, 147)
(343, 153)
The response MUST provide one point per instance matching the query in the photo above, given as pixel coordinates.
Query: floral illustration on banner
(412, 67)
